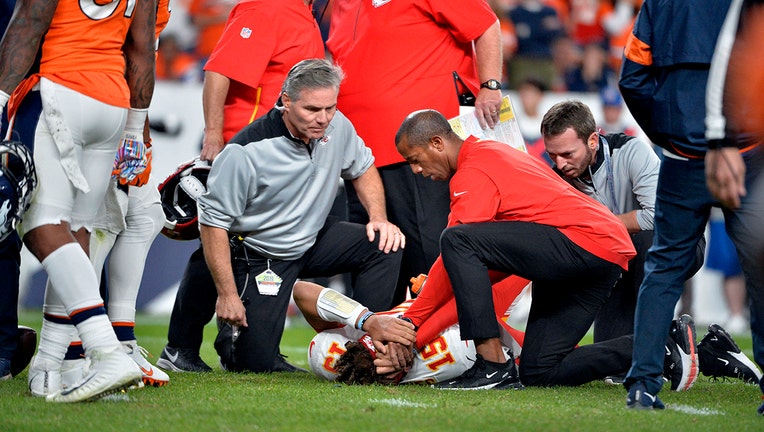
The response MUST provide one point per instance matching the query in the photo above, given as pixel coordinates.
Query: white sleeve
(715, 120)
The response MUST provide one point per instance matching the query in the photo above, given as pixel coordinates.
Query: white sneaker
(152, 376)
(737, 325)
(110, 372)
(44, 377)
(73, 371)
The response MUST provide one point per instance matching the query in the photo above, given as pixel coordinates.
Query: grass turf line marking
(686, 409)
(402, 403)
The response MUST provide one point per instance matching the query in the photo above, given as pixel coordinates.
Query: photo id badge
(268, 283)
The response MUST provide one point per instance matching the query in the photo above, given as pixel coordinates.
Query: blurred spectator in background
(612, 110)
(566, 56)
(529, 115)
(174, 64)
(595, 21)
(618, 38)
(722, 258)
(536, 27)
(209, 17)
(508, 35)
(594, 72)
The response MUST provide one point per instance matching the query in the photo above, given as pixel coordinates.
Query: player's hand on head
(387, 328)
(393, 357)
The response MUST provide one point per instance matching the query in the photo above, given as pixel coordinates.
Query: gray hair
(419, 126)
(310, 74)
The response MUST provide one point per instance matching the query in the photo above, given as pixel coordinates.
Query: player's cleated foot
(152, 376)
(720, 356)
(760, 410)
(44, 377)
(181, 360)
(485, 375)
(73, 371)
(640, 399)
(110, 371)
(281, 365)
(680, 365)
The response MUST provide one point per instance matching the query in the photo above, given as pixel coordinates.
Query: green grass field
(222, 401)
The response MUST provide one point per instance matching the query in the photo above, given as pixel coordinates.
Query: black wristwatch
(491, 84)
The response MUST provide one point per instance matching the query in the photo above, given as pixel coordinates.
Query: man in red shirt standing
(400, 56)
(512, 214)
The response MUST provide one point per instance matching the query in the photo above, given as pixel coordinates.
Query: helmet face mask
(18, 181)
(178, 194)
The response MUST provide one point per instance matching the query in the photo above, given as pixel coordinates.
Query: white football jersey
(327, 346)
(444, 358)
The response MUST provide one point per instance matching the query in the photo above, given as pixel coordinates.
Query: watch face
(491, 84)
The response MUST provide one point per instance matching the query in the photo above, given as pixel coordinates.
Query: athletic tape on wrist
(136, 118)
(335, 307)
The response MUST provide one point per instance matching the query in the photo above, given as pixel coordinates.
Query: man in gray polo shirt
(263, 220)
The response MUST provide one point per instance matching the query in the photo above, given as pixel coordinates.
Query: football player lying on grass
(353, 356)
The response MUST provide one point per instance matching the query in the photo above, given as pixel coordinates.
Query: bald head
(420, 126)
(427, 142)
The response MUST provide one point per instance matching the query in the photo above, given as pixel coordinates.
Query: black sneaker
(721, 357)
(640, 399)
(281, 365)
(680, 365)
(182, 360)
(485, 375)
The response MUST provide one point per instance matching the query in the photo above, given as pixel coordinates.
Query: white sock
(54, 341)
(72, 277)
(96, 333)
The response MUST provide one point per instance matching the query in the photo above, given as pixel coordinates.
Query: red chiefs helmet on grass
(178, 193)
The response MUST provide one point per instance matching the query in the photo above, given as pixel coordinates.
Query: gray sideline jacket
(634, 167)
(277, 190)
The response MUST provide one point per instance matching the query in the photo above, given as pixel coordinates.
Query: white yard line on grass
(686, 409)
(402, 403)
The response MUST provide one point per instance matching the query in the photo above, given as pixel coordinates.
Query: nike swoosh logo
(172, 358)
(90, 376)
(149, 372)
(725, 361)
(456, 194)
(489, 376)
